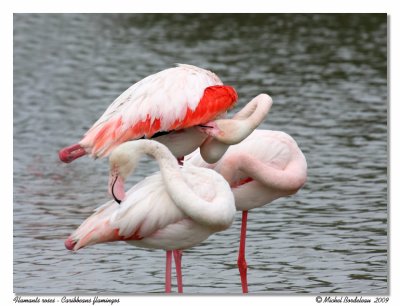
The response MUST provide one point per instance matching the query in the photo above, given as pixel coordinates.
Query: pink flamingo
(174, 209)
(168, 104)
(222, 133)
(265, 166)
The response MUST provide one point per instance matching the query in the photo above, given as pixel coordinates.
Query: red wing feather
(215, 101)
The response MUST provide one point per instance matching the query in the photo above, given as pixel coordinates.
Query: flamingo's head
(233, 131)
(123, 161)
(227, 131)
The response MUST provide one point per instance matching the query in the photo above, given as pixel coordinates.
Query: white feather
(161, 96)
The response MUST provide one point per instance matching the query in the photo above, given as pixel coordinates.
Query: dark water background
(327, 76)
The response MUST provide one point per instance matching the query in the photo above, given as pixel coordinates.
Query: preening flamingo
(173, 209)
(265, 166)
(174, 100)
(225, 132)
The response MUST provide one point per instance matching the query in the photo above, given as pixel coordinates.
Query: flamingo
(173, 209)
(265, 166)
(167, 105)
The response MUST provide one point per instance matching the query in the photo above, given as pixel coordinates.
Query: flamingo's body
(174, 99)
(265, 166)
(171, 210)
(148, 217)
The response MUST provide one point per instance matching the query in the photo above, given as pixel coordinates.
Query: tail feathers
(102, 139)
(100, 234)
(95, 229)
(68, 154)
(98, 229)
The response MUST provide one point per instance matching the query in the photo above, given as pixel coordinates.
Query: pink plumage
(173, 99)
(265, 166)
(172, 210)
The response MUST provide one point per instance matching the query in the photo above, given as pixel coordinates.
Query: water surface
(327, 76)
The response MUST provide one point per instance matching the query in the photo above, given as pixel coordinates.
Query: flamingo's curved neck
(226, 132)
(256, 110)
(251, 116)
(216, 214)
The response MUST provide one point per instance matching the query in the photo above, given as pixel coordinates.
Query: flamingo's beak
(116, 187)
(210, 128)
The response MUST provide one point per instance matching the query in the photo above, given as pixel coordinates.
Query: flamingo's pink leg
(177, 258)
(241, 258)
(178, 267)
(168, 272)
